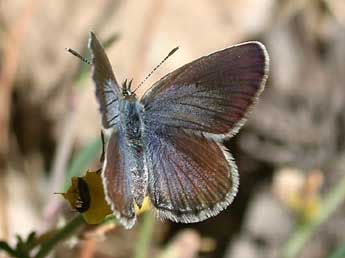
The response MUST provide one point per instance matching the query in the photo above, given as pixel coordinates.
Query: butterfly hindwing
(107, 89)
(117, 180)
(211, 95)
(191, 178)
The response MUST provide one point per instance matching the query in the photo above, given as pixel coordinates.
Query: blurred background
(290, 153)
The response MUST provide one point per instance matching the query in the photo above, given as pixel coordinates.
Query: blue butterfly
(168, 145)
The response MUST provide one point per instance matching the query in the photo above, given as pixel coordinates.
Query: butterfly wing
(186, 114)
(107, 89)
(211, 95)
(191, 178)
(117, 181)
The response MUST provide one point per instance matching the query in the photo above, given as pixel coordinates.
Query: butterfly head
(126, 88)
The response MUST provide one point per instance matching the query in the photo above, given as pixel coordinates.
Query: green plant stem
(145, 233)
(305, 231)
(14, 253)
(62, 234)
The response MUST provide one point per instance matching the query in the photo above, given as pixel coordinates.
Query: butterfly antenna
(75, 53)
(154, 69)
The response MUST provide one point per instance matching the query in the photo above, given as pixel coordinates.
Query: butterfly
(168, 145)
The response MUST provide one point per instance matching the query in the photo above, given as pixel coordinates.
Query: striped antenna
(154, 69)
(75, 53)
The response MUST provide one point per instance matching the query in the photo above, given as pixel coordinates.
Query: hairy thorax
(130, 118)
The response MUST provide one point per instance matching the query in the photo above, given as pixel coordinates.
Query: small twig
(67, 231)
(305, 231)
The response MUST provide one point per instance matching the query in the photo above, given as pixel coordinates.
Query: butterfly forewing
(117, 181)
(107, 89)
(212, 94)
(191, 178)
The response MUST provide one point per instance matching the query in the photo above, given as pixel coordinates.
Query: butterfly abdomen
(131, 127)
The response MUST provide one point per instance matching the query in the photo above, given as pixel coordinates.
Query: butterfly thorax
(130, 118)
(130, 125)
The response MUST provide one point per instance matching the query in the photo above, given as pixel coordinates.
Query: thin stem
(14, 253)
(62, 234)
(145, 233)
(305, 231)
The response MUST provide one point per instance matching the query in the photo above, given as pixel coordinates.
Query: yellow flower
(86, 195)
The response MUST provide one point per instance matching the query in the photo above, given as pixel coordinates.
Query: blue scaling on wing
(107, 89)
(211, 95)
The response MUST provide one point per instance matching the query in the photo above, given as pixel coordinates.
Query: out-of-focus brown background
(291, 152)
